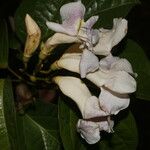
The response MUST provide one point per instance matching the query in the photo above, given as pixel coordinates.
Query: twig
(15, 74)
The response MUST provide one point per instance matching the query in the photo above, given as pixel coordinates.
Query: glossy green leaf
(67, 122)
(125, 136)
(39, 128)
(36, 130)
(141, 65)
(3, 44)
(8, 128)
(43, 10)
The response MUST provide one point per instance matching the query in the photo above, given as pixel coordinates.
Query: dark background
(139, 30)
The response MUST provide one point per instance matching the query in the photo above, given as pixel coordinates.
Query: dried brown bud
(33, 37)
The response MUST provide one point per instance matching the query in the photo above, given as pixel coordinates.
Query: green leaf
(8, 128)
(14, 42)
(3, 44)
(43, 10)
(108, 9)
(141, 65)
(67, 122)
(36, 130)
(39, 128)
(125, 135)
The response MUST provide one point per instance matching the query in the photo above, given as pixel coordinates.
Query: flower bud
(33, 38)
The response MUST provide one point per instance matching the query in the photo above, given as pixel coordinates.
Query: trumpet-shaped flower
(117, 81)
(73, 24)
(71, 14)
(33, 37)
(89, 106)
(115, 84)
(109, 38)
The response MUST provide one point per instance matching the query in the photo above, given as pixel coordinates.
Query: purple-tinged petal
(57, 27)
(95, 36)
(88, 63)
(112, 102)
(106, 63)
(72, 14)
(73, 10)
(111, 63)
(90, 22)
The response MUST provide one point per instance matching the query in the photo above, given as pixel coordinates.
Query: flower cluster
(112, 75)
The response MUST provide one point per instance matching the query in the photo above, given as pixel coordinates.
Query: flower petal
(92, 108)
(88, 63)
(72, 14)
(56, 27)
(89, 131)
(90, 22)
(110, 38)
(95, 36)
(72, 11)
(112, 102)
(59, 38)
(111, 63)
(120, 26)
(69, 61)
(121, 82)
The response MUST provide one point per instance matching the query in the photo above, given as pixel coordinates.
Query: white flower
(33, 37)
(71, 14)
(115, 84)
(112, 102)
(109, 38)
(117, 81)
(73, 24)
(89, 107)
